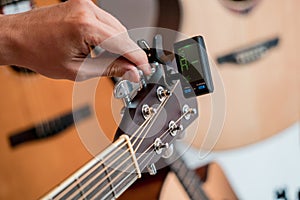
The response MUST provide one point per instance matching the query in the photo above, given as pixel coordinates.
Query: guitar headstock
(156, 113)
(155, 118)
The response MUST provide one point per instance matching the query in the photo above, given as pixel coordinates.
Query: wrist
(7, 40)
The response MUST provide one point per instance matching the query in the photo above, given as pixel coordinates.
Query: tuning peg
(187, 111)
(174, 128)
(153, 54)
(158, 46)
(168, 152)
(162, 93)
(122, 90)
(142, 79)
(148, 111)
(152, 169)
(181, 135)
(158, 145)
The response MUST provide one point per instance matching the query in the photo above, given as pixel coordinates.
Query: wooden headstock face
(153, 123)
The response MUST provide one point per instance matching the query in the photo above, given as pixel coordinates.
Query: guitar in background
(258, 105)
(33, 102)
(261, 133)
(178, 181)
(30, 169)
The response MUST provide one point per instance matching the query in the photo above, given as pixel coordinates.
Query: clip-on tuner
(191, 63)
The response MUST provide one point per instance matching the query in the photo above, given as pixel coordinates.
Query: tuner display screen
(192, 64)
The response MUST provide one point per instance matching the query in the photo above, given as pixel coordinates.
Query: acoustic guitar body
(31, 169)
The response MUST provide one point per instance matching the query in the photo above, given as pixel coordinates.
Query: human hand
(55, 40)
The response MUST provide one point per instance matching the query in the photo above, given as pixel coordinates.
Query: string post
(162, 93)
(148, 111)
(187, 111)
(159, 145)
(174, 128)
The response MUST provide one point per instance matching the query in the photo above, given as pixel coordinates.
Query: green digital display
(190, 65)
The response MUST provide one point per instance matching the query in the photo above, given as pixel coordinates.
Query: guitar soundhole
(21, 70)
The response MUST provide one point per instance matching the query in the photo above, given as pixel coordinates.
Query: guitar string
(140, 157)
(122, 181)
(112, 153)
(162, 104)
(127, 168)
(164, 134)
(143, 138)
(115, 179)
(147, 122)
(143, 130)
(99, 163)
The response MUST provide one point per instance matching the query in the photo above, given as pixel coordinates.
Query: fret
(189, 175)
(104, 177)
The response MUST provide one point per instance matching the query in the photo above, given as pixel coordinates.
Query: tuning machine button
(122, 90)
(168, 152)
(159, 146)
(142, 79)
(187, 111)
(174, 128)
(152, 169)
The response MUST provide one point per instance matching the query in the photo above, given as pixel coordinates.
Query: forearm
(9, 38)
(6, 43)
(55, 40)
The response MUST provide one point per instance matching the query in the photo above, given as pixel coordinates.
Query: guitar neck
(107, 176)
(189, 180)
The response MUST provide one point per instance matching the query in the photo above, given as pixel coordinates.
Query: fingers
(122, 44)
(107, 64)
(117, 40)
(122, 68)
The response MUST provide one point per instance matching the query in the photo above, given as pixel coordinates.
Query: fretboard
(189, 180)
(107, 176)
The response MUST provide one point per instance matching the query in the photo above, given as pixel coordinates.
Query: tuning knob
(159, 146)
(187, 111)
(122, 90)
(142, 79)
(168, 152)
(174, 128)
(152, 169)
